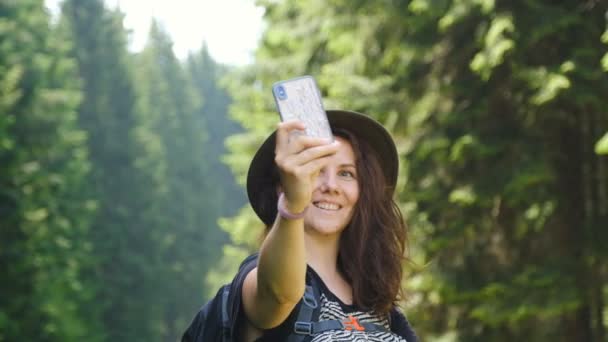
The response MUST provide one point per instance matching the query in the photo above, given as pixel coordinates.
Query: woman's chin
(325, 227)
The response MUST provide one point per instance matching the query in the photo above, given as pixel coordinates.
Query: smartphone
(300, 98)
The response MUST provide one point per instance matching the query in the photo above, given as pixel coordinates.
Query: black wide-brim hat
(261, 185)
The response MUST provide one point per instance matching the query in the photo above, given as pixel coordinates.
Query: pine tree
(208, 76)
(43, 215)
(187, 236)
(125, 187)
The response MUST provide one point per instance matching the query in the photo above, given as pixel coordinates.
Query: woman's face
(336, 193)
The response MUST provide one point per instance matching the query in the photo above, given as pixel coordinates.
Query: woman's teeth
(327, 206)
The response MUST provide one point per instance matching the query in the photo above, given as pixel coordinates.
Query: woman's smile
(327, 205)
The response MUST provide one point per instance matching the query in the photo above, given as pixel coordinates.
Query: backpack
(214, 323)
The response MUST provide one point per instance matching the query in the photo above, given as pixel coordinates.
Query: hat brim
(363, 127)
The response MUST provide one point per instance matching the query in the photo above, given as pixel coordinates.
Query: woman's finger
(313, 167)
(283, 129)
(311, 153)
(291, 138)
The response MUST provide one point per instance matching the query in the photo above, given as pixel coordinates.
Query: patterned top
(223, 316)
(332, 308)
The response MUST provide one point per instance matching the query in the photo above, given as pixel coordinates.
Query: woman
(331, 219)
(329, 268)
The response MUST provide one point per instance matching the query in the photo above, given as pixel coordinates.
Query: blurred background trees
(109, 203)
(119, 216)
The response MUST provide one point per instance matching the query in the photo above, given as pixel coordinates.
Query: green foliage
(601, 147)
(122, 272)
(43, 217)
(496, 45)
(207, 76)
(197, 189)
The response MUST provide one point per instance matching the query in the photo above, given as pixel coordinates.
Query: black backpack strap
(307, 323)
(333, 324)
(231, 299)
(401, 326)
(303, 325)
(226, 336)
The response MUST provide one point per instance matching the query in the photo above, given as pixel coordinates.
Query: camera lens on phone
(281, 93)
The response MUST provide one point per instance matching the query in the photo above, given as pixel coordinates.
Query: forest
(122, 201)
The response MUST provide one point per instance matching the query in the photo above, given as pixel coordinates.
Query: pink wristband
(285, 213)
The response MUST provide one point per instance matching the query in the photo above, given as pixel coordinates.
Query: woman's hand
(299, 159)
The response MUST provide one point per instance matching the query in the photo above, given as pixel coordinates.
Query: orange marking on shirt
(353, 323)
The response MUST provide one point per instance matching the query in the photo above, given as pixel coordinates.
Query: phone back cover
(303, 102)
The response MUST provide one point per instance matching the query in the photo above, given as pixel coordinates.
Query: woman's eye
(348, 174)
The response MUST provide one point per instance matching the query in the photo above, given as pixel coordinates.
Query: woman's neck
(322, 253)
(322, 256)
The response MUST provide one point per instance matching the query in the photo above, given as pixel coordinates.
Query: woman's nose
(327, 181)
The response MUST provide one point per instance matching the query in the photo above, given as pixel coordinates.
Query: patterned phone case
(300, 98)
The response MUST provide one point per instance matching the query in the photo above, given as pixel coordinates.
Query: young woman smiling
(330, 265)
